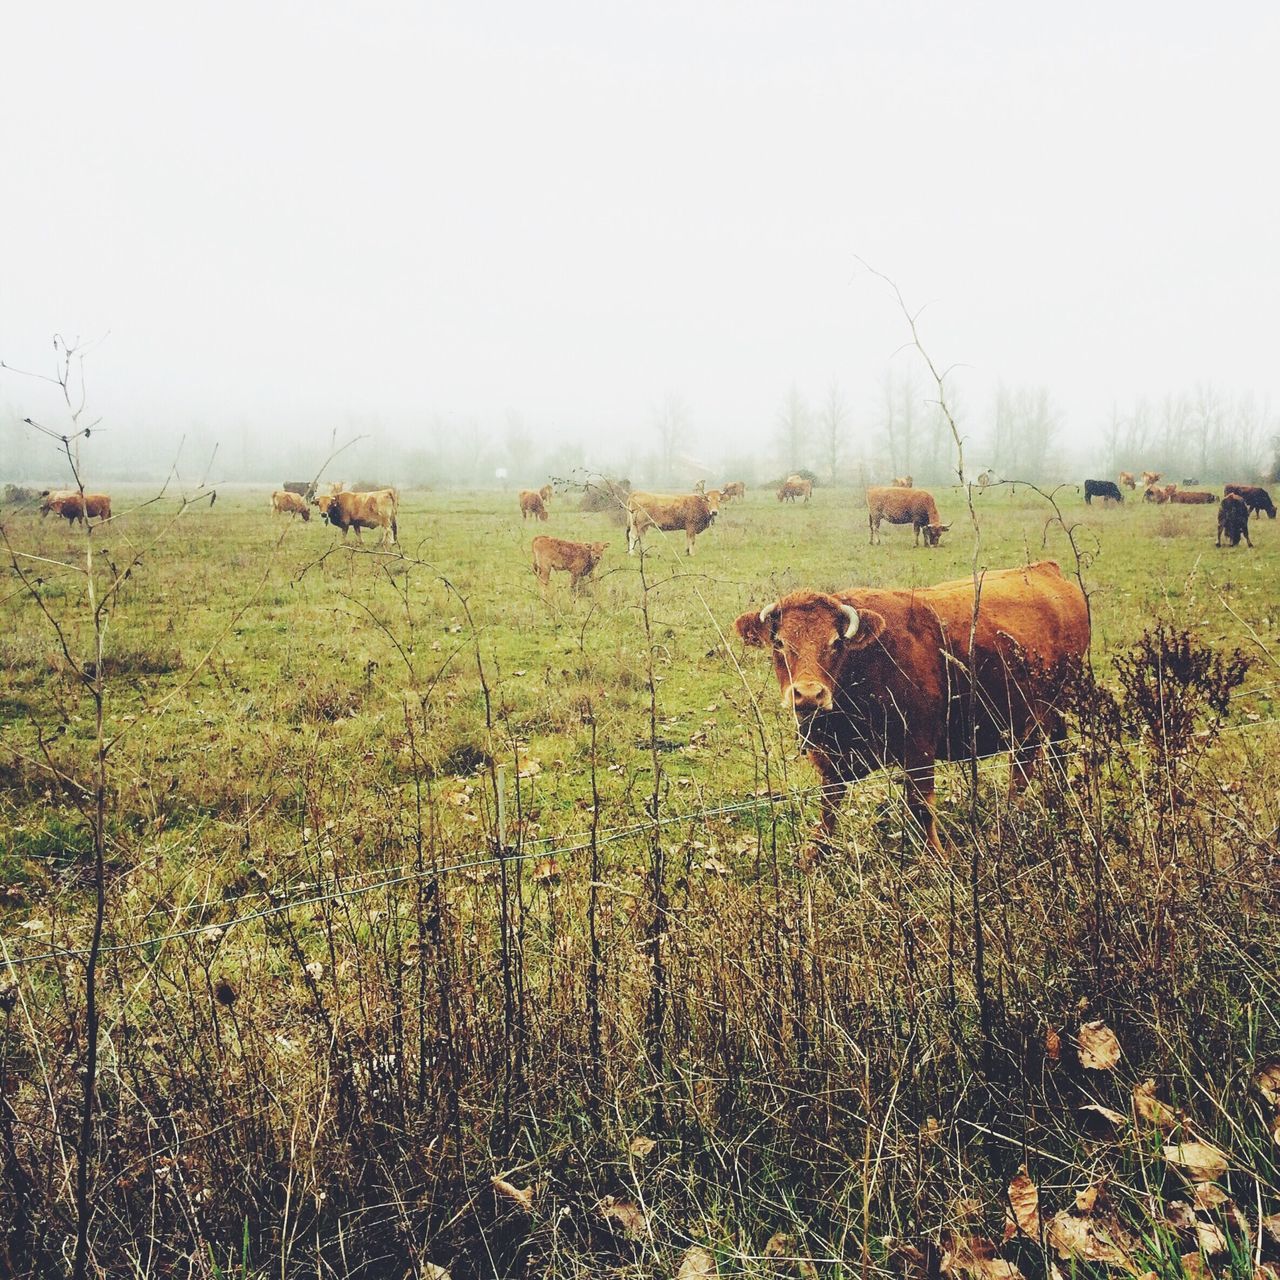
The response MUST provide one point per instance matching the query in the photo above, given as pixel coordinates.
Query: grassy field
(335, 1007)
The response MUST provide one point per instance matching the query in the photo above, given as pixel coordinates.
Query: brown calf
(577, 559)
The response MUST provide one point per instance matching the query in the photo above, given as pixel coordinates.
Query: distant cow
(303, 488)
(1101, 489)
(1150, 478)
(794, 487)
(533, 504)
(374, 510)
(1193, 497)
(734, 489)
(1256, 498)
(877, 678)
(577, 559)
(1159, 493)
(1233, 520)
(903, 482)
(692, 512)
(284, 503)
(1190, 480)
(915, 507)
(1127, 481)
(69, 504)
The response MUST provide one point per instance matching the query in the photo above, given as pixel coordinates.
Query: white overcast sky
(300, 215)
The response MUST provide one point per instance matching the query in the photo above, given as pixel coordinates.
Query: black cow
(1256, 498)
(1102, 489)
(1233, 520)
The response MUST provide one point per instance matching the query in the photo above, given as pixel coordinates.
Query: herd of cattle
(872, 677)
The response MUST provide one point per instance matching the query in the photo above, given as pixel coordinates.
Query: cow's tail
(395, 532)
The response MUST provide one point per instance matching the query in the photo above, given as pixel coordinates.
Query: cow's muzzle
(807, 696)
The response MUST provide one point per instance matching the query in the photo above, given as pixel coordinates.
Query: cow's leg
(1248, 540)
(831, 793)
(875, 527)
(688, 542)
(631, 538)
(920, 796)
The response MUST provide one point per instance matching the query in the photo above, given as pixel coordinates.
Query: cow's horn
(852, 614)
(768, 611)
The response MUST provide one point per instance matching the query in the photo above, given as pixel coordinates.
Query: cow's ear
(866, 631)
(756, 629)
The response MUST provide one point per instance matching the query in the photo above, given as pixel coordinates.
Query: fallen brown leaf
(1207, 1196)
(1052, 1044)
(1194, 1267)
(783, 1246)
(1149, 1108)
(697, 1264)
(1099, 1048)
(1180, 1215)
(1211, 1240)
(522, 1197)
(1267, 1078)
(1024, 1207)
(1102, 1121)
(1091, 1239)
(630, 1218)
(641, 1146)
(974, 1257)
(1092, 1197)
(1202, 1162)
(911, 1262)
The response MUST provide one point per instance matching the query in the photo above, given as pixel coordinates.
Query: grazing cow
(1192, 497)
(1101, 489)
(734, 489)
(69, 504)
(903, 482)
(1256, 498)
(1233, 520)
(1149, 478)
(533, 504)
(373, 510)
(692, 512)
(887, 677)
(794, 487)
(284, 503)
(577, 559)
(915, 507)
(1127, 481)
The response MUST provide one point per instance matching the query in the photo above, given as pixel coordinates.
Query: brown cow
(1159, 493)
(733, 489)
(577, 559)
(794, 487)
(69, 504)
(903, 482)
(1256, 498)
(1233, 520)
(546, 493)
(1149, 478)
(1192, 497)
(284, 503)
(533, 504)
(915, 507)
(1127, 481)
(881, 677)
(692, 512)
(376, 509)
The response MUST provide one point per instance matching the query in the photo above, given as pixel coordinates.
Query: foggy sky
(299, 217)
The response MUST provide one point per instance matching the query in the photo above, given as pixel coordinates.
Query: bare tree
(832, 429)
(672, 420)
(901, 396)
(793, 426)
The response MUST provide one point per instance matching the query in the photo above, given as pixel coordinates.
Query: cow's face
(597, 551)
(713, 503)
(812, 637)
(325, 504)
(933, 533)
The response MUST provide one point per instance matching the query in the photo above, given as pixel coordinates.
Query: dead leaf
(430, 1271)
(1099, 1048)
(1202, 1162)
(1194, 1267)
(1052, 1044)
(546, 871)
(1092, 1197)
(1102, 1122)
(629, 1218)
(1024, 1207)
(1271, 1226)
(783, 1246)
(1208, 1196)
(1150, 1109)
(641, 1146)
(531, 768)
(1091, 1239)
(1267, 1078)
(315, 971)
(524, 1199)
(974, 1257)
(966, 1207)
(697, 1264)
(1210, 1239)
(1180, 1215)
(714, 867)
(931, 1131)
(913, 1263)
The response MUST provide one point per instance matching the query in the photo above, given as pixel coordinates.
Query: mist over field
(630, 238)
